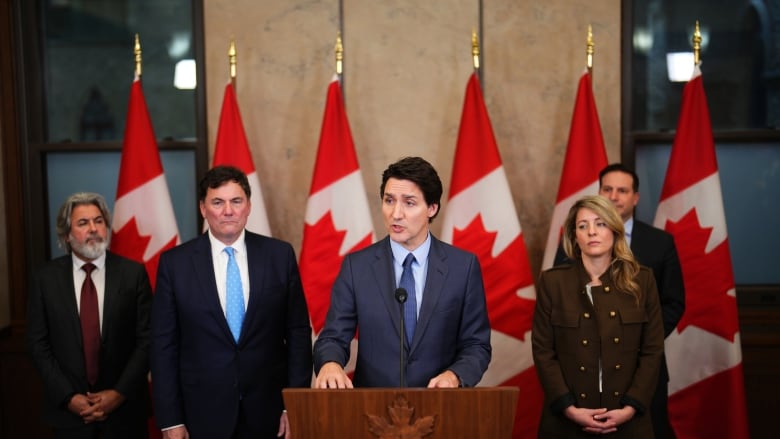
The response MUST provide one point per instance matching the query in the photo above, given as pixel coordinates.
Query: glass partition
(740, 68)
(88, 66)
(749, 179)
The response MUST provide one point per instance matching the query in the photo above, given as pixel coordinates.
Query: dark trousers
(85, 432)
(659, 411)
(246, 431)
(103, 430)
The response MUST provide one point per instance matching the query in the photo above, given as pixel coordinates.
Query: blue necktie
(234, 298)
(410, 307)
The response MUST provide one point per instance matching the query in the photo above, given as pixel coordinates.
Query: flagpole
(137, 52)
(696, 45)
(338, 50)
(475, 49)
(589, 50)
(232, 60)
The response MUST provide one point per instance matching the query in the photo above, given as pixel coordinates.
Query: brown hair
(624, 266)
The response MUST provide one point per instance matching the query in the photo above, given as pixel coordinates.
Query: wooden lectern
(403, 413)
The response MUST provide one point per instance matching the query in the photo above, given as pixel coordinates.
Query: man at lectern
(408, 280)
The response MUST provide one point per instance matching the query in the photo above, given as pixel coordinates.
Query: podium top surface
(401, 412)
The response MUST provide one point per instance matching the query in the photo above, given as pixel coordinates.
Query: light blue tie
(410, 307)
(234, 300)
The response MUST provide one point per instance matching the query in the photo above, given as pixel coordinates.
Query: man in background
(88, 330)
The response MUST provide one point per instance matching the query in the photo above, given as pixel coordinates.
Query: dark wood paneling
(21, 397)
(10, 147)
(759, 322)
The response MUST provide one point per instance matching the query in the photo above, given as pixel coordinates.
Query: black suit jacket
(201, 377)
(655, 248)
(54, 338)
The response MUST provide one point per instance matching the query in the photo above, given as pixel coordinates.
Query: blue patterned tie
(410, 307)
(234, 300)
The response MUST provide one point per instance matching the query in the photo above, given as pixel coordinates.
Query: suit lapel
(256, 257)
(434, 283)
(384, 275)
(111, 293)
(203, 267)
(637, 241)
(67, 295)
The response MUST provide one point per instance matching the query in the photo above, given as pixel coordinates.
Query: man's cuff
(171, 428)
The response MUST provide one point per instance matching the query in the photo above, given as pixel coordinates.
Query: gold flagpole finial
(589, 49)
(475, 49)
(338, 49)
(137, 52)
(232, 60)
(696, 44)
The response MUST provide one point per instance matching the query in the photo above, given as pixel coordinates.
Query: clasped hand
(96, 406)
(599, 421)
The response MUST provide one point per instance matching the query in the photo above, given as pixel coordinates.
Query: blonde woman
(597, 332)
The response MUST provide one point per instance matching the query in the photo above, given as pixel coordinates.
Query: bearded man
(88, 330)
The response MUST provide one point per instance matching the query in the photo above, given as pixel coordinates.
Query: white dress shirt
(220, 259)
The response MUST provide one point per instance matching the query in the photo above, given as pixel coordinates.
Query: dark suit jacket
(54, 337)
(573, 338)
(201, 377)
(655, 248)
(453, 331)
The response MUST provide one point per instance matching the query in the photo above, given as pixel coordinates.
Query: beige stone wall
(406, 67)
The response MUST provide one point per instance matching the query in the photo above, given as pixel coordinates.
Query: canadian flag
(337, 219)
(585, 158)
(144, 223)
(706, 389)
(482, 219)
(232, 149)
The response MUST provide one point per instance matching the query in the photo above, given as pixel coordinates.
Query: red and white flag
(482, 219)
(144, 223)
(585, 158)
(337, 219)
(706, 386)
(232, 149)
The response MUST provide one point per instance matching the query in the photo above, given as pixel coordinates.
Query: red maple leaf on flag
(707, 303)
(508, 312)
(321, 263)
(130, 243)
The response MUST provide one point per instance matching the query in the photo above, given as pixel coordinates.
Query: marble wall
(406, 67)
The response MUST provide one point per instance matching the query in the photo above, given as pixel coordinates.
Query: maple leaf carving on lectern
(400, 425)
